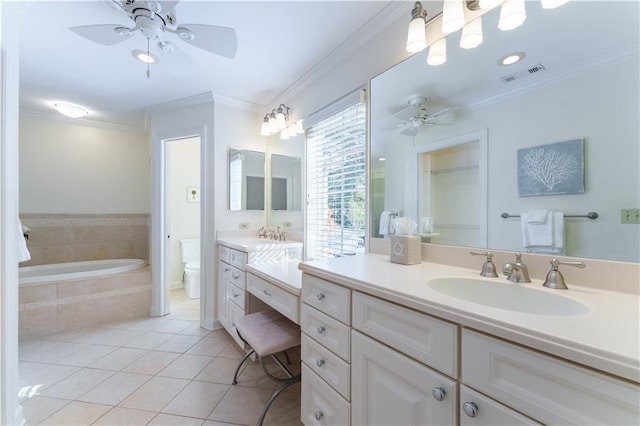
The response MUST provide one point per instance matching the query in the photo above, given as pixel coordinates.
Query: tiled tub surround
(59, 238)
(56, 307)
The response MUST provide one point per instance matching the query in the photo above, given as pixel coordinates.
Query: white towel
(537, 216)
(23, 251)
(384, 223)
(547, 237)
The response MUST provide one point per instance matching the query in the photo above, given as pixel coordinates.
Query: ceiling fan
(416, 115)
(156, 18)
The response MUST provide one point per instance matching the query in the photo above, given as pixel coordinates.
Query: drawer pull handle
(235, 276)
(266, 293)
(438, 393)
(226, 269)
(320, 329)
(235, 295)
(320, 362)
(320, 296)
(319, 415)
(470, 409)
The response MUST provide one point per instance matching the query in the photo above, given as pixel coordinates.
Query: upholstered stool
(269, 333)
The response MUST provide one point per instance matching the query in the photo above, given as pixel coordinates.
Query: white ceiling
(278, 43)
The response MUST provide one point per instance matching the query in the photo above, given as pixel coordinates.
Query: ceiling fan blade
(435, 115)
(212, 38)
(103, 34)
(410, 131)
(406, 113)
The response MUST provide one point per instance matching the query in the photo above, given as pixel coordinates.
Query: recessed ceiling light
(145, 57)
(71, 110)
(382, 159)
(511, 58)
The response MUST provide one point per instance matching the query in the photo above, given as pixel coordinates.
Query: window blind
(336, 184)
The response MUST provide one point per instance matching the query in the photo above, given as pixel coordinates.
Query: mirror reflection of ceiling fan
(154, 19)
(416, 115)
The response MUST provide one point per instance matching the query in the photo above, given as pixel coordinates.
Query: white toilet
(191, 258)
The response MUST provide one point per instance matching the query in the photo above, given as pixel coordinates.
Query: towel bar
(590, 215)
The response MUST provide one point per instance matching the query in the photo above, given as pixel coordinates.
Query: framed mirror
(573, 83)
(246, 180)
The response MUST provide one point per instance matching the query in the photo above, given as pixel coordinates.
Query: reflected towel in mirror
(543, 236)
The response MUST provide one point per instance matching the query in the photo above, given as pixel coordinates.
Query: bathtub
(61, 297)
(34, 275)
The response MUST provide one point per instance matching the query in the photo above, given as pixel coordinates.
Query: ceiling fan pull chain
(148, 55)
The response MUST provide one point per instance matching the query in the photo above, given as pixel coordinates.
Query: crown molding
(237, 103)
(385, 17)
(581, 68)
(81, 121)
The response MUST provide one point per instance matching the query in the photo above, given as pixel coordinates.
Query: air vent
(524, 73)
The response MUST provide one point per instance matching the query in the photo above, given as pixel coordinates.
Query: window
(336, 184)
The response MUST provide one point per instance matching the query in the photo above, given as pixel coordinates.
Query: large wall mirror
(246, 179)
(578, 80)
(285, 183)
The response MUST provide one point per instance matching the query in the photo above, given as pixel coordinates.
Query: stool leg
(273, 397)
(286, 355)
(235, 375)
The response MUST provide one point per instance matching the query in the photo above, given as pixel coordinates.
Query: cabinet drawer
(427, 339)
(282, 301)
(237, 296)
(223, 253)
(237, 258)
(237, 277)
(327, 365)
(329, 332)
(489, 412)
(547, 389)
(321, 405)
(327, 297)
(235, 313)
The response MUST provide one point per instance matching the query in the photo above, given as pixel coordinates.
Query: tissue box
(406, 249)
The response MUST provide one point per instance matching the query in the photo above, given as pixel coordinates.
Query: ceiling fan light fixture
(71, 110)
(471, 34)
(438, 52)
(552, 4)
(145, 57)
(123, 31)
(416, 35)
(512, 15)
(452, 16)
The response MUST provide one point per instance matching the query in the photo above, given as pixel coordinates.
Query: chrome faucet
(488, 268)
(554, 277)
(516, 272)
(262, 232)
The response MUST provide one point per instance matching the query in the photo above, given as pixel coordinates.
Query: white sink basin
(508, 296)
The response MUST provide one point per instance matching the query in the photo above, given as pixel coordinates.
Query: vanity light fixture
(452, 16)
(511, 58)
(512, 15)
(71, 110)
(416, 37)
(279, 120)
(438, 52)
(423, 33)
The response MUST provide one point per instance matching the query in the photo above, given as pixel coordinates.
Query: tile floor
(154, 370)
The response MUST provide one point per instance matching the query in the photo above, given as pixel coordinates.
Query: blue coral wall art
(556, 168)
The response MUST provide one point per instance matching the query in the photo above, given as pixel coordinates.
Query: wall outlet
(286, 224)
(630, 216)
(244, 225)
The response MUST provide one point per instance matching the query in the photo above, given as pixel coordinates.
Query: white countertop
(282, 273)
(606, 337)
(256, 244)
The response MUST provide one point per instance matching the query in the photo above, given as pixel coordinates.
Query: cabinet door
(223, 288)
(390, 388)
(478, 410)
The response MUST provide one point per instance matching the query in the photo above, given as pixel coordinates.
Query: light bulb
(299, 127)
(438, 52)
(281, 123)
(284, 134)
(452, 16)
(272, 123)
(264, 130)
(552, 4)
(471, 34)
(416, 37)
(512, 15)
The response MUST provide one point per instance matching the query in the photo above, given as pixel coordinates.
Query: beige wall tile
(37, 293)
(38, 322)
(77, 288)
(115, 308)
